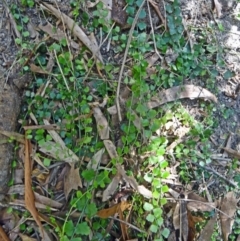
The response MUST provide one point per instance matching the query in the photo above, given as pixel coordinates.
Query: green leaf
(69, 228)
(154, 228)
(88, 175)
(165, 233)
(18, 41)
(142, 25)
(130, 10)
(169, 8)
(26, 34)
(91, 210)
(163, 201)
(25, 19)
(228, 74)
(164, 188)
(142, 14)
(46, 162)
(150, 218)
(163, 164)
(148, 206)
(157, 212)
(82, 228)
(148, 177)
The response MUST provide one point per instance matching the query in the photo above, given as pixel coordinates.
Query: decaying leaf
(144, 191)
(54, 150)
(117, 209)
(228, 208)
(218, 8)
(29, 196)
(47, 201)
(102, 124)
(56, 33)
(3, 235)
(207, 231)
(111, 149)
(16, 136)
(181, 92)
(111, 188)
(77, 31)
(122, 206)
(184, 221)
(201, 205)
(130, 180)
(72, 180)
(232, 152)
(176, 217)
(96, 159)
(121, 175)
(36, 69)
(26, 238)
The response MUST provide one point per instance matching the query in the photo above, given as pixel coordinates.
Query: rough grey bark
(10, 101)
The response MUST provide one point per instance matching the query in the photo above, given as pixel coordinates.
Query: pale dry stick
(124, 60)
(60, 68)
(12, 20)
(64, 30)
(158, 13)
(154, 40)
(86, 76)
(218, 174)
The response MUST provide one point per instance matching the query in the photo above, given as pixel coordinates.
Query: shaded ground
(196, 13)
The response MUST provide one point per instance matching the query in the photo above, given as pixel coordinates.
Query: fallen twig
(124, 60)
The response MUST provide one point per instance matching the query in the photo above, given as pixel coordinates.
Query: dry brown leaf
(16, 136)
(36, 69)
(232, 152)
(18, 176)
(207, 231)
(184, 221)
(29, 196)
(144, 191)
(72, 180)
(32, 30)
(176, 217)
(40, 175)
(77, 31)
(54, 150)
(111, 149)
(181, 92)
(47, 201)
(122, 206)
(17, 189)
(56, 34)
(18, 202)
(96, 159)
(131, 180)
(200, 204)
(192, 221)
(218, 7)
(111, 188)
(228, 207)
(137, 121)
(102, 124)
(26, 238)
(3, 235)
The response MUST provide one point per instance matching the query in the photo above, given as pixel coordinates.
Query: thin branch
(218, 174)
(124, 60)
